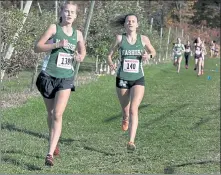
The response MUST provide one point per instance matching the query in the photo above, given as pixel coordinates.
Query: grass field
(179, 128)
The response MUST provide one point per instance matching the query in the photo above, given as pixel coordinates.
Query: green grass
(179, 128)
(13, 84)
(23, 82)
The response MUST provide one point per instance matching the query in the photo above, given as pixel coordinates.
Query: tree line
(197, 17)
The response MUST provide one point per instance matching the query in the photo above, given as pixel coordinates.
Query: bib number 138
(131, 66)
(65, 60)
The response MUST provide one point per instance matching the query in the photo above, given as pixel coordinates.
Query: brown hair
(120, 20)
(66, 3)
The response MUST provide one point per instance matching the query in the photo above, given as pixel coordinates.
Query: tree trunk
(3, 50)
(151, 25)
(180, 16)
(25, 11)
(34, 75)
(11, 48)
(161, 36)
(39, 7)
(2, 75)
(138, 4)
(21, 5)
(87, 24)
(56, 10)
(168, 42)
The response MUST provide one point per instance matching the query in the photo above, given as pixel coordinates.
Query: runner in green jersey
(178, 50)
(133, 49)
(64, 45)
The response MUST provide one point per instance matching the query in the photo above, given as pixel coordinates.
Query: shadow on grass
(27, 166)
(120, 114)
(171, 169)
(167, 114)
(99, 151)
(216, 111)
(206, 120)
(20, 152)
(12, 127)
(201, 122)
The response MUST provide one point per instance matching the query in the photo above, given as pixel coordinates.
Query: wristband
(56, 45)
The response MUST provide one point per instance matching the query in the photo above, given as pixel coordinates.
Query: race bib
(64, 60)
(187, 50)
(131, 65)
(178, 53)
(198, 52)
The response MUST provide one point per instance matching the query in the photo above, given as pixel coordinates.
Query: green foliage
(101, 34)
(35, 25)
(10, 22)
(207, 13)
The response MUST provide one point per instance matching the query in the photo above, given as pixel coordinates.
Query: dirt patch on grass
(9, 100)
(14, 99)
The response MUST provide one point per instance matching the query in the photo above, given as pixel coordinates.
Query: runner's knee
(133, 111)
(57, 116)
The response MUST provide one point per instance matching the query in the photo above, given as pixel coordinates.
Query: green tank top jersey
(59, 62)
(178, 49)
(130, 67)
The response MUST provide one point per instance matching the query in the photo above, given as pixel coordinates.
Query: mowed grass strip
(179, 128)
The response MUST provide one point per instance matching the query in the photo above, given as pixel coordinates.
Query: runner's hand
(145, 56)
(78, 57)
(112, 67)
(62, 43)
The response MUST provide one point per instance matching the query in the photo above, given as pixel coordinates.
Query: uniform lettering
(131, 52)
(69, 46)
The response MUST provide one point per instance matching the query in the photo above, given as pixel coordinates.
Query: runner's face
(131, 23)
(69, 13)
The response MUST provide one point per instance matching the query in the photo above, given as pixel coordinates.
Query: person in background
(187, 53)
(178, 50)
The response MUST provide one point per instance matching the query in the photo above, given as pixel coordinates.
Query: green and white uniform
(178, 49)
(59, 62)
(130, 67)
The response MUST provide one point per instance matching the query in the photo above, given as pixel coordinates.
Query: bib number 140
(131, 66)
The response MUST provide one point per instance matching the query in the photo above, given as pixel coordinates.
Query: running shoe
(131, 146)
(125, 124)
(49, 160)
(56, 151)
(202, 72)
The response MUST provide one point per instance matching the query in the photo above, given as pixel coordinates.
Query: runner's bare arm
(42, 44)
(81, 49)
(113, 49)
(148, 46)
(183, 48)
